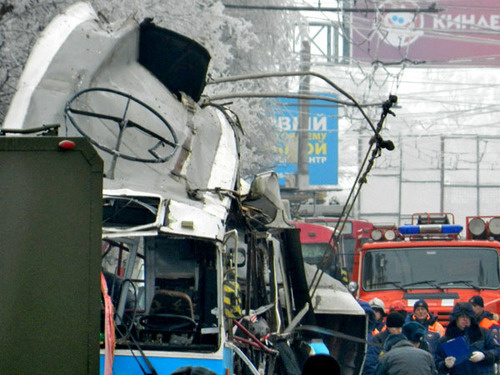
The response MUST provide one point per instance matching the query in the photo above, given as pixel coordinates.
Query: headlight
(352, 286)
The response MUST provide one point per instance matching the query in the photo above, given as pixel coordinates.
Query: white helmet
(377, 302)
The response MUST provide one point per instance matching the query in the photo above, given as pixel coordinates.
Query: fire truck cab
(351, 232)
(428, 260)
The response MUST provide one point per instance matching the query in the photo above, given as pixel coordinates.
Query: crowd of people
(416, 343)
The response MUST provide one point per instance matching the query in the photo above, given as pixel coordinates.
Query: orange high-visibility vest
(435, 327)
(376, 331)
(488, 323)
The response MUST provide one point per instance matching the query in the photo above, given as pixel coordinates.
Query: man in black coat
(394, 324)
(484, 348)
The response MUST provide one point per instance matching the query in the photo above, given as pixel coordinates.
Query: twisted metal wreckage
(199, 268)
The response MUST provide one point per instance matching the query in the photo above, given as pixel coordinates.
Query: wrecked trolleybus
(199, 268)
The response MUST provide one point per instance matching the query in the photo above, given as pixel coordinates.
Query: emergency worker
(484, 318)
(431, 338)
(416, 333)
(378, 307)
(422, 315)
(483, 346)
(370, 316)
(394, 323)
(403, 356)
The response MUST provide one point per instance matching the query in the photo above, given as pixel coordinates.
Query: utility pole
(346, 47)
(303, 139)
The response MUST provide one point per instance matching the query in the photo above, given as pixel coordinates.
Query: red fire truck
(428, 260)
(350, 231)
(317, 248)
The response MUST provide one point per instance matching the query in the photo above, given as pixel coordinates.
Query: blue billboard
(322, 148)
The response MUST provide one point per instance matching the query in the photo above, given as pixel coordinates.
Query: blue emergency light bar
(409, 230)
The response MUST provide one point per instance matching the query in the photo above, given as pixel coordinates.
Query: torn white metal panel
(85, 75)
(331, 296)
(191, 221)
(225, 160)
(42, 55)
(329, 301)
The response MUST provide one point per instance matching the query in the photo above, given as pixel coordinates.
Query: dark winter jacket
(402, 358)
(486, 320)
(478, 339)
(487, 314)
(429, 344)
(373, 351)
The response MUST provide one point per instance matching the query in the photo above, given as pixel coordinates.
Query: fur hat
(462, 308)
(420, 303)
(414, 331)
(477, 300)
(395, 320)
